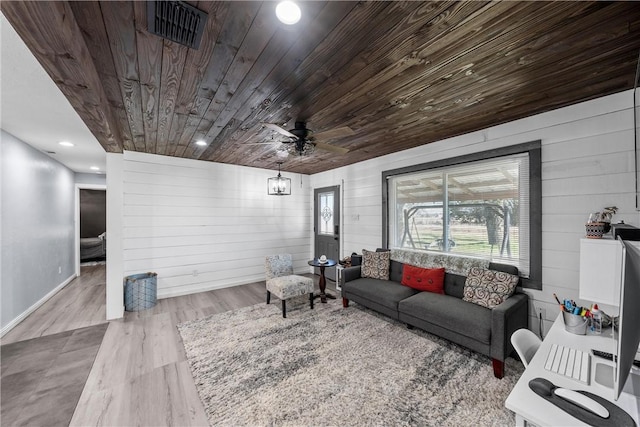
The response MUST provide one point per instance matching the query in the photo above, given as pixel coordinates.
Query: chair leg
(268, 297)
(284, 309)
(345, 302)
(311, 300)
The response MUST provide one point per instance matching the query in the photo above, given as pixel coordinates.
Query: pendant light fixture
(279, 186)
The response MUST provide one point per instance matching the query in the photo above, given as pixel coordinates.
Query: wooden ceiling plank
(188, 103)
(319, 67)
(581, 58)
(269, 59)
(400, 78)
(431, 88)
(334, 12)
(397, 48)
(447, 85)
(119, 24)
(322, 61)
(442, 50)
(239, 18)
(149, 47)
(309, 67)
(236, 23)
(89, 18)
(255, 109)
(253, 55)
(342, 113)
(495, 117)
(51, 32)
(366, 83)
(173, 61)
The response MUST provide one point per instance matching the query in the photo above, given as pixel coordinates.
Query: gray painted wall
(36, 226)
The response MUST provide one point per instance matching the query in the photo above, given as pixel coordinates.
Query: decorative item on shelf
(599, 223)
(279, 186)
(345, 262)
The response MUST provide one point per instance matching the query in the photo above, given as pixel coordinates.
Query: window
(479, 205)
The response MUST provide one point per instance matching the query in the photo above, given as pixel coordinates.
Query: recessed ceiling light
(94, 168)
(65, 144)
(201, 143)
(288, 12)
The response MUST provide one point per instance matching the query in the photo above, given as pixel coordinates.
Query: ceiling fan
(306, 144)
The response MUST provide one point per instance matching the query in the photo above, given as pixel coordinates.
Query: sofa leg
(345, 302)
(498, 368)
(409, 326)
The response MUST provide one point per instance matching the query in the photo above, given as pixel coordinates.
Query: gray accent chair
(283, 283)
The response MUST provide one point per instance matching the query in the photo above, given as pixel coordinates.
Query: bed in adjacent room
(93, 247)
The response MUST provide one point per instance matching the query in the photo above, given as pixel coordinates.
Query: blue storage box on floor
(140, 291)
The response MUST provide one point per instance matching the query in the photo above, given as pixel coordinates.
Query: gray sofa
(486, 331)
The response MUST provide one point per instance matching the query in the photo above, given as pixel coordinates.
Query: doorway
(326, 226)
(90, 224)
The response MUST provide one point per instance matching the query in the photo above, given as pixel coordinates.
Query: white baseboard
(211, 286)
(15, 322)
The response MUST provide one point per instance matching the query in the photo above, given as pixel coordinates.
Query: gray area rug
(332, 367)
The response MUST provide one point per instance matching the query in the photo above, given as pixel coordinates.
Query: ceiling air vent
(176, 21)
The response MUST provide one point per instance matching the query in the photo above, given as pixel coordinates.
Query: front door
(326, 208)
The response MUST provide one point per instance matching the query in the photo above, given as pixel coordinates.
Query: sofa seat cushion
(383, 292)
(464, 318)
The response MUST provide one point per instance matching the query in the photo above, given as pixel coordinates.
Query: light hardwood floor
(140, 375)
(79, 304)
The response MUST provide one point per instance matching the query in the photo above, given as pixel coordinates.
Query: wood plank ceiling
(399, 74)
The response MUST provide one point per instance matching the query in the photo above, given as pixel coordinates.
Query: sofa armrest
(350, 273)
(507, 318)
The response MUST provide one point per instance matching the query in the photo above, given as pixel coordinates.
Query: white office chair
(526, 344)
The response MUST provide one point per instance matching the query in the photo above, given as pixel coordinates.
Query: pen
(556, 297)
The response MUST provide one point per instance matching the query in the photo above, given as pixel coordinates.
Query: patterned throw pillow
(488, 288)
(375, 264)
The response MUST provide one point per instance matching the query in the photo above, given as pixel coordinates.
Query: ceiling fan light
(288, 12)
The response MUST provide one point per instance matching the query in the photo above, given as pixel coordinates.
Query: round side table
(323, 281)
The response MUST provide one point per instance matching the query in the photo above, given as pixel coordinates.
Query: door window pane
(325, 212)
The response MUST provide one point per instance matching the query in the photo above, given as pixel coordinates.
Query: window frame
(533, 149)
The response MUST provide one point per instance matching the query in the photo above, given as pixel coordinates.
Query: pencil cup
(575, 323)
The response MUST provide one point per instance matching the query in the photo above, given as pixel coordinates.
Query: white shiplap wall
(203, 225)
(587, 164)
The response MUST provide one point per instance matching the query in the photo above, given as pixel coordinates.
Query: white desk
(531, 408)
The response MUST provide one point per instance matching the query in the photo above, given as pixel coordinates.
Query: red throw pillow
(423, 279)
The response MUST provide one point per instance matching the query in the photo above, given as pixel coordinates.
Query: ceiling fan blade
(334, 133)
(279, 129)
(332, 148)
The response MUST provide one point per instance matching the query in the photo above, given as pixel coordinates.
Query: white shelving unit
(601, 270)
